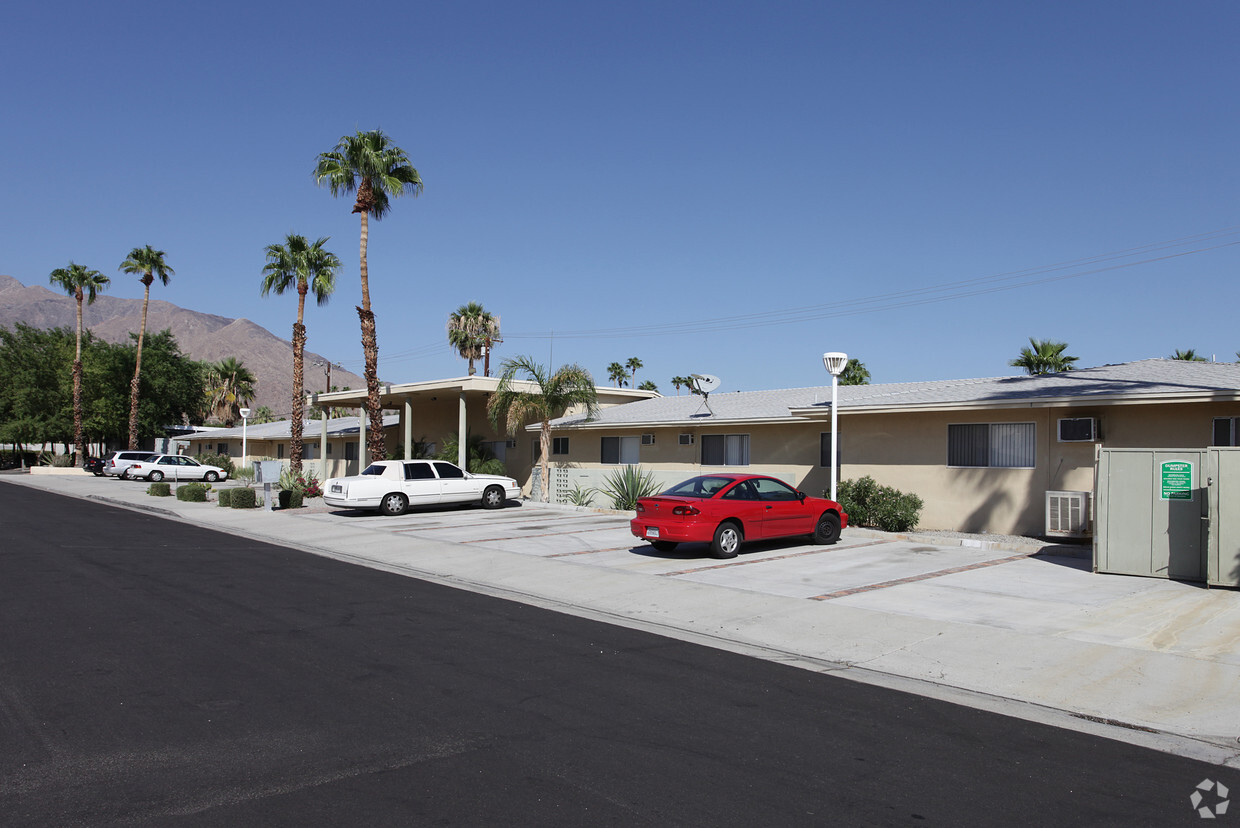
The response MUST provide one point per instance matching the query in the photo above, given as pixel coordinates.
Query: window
(279, 451)
(447, 471)
(559, 445)
(685, 439)
(774, 490)
(742, 491)
(725, 449)
(1227, 431)
(419, 471)
(991, 445)
(499, 448)
(824, 450)
(222, 449)
(622, 450)
(350, 451)
(647, 439)
(329, 449)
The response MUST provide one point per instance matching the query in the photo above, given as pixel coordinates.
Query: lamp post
(245, 415)
(835, 362)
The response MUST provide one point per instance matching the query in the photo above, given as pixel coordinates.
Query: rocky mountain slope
(201, 335)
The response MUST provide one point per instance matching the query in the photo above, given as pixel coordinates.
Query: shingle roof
(1150, 379)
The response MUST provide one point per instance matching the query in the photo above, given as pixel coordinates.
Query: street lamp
(835, 361)
(245, 414)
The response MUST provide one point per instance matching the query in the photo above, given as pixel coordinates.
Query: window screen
(991, 445)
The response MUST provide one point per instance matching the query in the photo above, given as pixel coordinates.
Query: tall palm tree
(1044, 357)
(633, 363)
(370, 165)
(230, 386)
(1190, 355)
(472, 328)
(308, 267)
(79, 282)
(551, 396)
(648, 385)
(150, 263)
(618, 374)
(854, 373)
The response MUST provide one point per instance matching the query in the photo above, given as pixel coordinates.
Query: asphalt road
(155, 673)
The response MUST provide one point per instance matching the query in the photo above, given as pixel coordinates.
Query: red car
(725, 510)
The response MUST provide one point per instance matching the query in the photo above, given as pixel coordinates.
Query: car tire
(393, 504)
(155, 476)
(124, 475)
(493, 497)
(827, 531)
(210, 477)
(727, 540)
(663, 546)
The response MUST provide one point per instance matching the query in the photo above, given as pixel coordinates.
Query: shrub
(290, 499)
(225, 496)
(223, 461)
(244, 499)
(63, 461)
(869, 504)
(193, 492)
(244, 475)
(628, 483)
(581, 497)
(159, 489)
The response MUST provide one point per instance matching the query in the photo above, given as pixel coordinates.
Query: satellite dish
(705, 382)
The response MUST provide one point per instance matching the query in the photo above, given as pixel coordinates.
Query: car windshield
(706, 486)
(375, 469)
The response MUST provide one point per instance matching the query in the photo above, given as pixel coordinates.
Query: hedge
(159, 489)
(225, 496)
(869, 504)
(290, 498)
(244, 499)
(193, 492)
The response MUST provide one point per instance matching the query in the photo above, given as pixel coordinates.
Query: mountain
(202, 336)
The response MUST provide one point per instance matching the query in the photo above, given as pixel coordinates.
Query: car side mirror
(801, 496)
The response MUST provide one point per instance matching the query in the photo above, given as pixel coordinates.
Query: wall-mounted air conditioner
(1067, 515)
(1078, 430)
(647, 439)
(686, 439)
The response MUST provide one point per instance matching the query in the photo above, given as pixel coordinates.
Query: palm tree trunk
(297, 423)
(544, 446)
(137, 369)
(375, 438)
(77, 388)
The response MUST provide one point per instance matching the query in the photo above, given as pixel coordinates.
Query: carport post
(408, 428)
(461, 441)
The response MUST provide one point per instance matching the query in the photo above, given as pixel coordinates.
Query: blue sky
(724, 187)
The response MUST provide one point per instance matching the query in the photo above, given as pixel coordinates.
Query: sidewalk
(1014, 630)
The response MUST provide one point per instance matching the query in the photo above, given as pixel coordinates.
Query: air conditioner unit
(1067, 515)
(1078, 430)
(686, 439)
(647, 439)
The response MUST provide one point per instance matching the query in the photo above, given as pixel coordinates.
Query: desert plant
(222, 461)
(581, 497)
(244, 499)
(63, 461)
(225, 497)
(869, 504)
(245, 476)
(627, 484)
(159, 489)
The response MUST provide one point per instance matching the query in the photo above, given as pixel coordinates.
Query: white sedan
(392, 486)
(174, 467)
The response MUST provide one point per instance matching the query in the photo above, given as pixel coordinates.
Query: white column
(361, 440)
(323, 443)
(461, 453)
(408, 428)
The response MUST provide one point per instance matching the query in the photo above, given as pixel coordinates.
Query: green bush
(244, 499)
(159, 489)
(225, 496)
(193, 492)
(290, 498)
(63, 461)
(627, 484)
(882, 507)
(223, 461)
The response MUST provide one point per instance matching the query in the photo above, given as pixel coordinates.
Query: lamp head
(245, 413)
(835, 361)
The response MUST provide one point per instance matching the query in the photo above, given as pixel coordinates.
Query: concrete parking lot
(1027, 630)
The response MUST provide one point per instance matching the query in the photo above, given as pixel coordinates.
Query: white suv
(118, 462)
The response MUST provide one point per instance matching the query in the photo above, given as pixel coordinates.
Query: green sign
(1177, 480)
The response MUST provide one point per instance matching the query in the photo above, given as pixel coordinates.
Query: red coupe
(725, 510)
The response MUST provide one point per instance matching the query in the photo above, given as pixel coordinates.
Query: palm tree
(551, 396)
(1188, 356)
(681, 382)
(854, 373)
(648, 385)
(230, 386)
(310, 267)
(262, 414)
(471, 329)
(370, 165)
(150, 263)
(633, 363)
(479, 458)
(1044, 357)
(618, 374)
(79, 282)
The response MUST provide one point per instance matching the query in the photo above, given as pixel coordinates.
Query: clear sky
(718, 187)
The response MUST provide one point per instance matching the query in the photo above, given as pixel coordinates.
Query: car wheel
(156, 476)
(493, 497)
(124, 475)
(727, 540)
(211, 477)
(663, 546)
(394, 504)
(827, 531)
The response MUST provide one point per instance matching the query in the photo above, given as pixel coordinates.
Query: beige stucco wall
(909, 452)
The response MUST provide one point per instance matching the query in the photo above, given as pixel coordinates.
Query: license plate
(652, 531)
(336, 488)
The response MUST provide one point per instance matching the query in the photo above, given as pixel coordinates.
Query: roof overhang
(1084, 401)
(391, 393)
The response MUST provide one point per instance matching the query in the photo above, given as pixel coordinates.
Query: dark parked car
(94, 465)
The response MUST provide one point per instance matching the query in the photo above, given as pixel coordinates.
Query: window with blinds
(991, 445)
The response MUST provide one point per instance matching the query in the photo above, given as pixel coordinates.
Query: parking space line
(843, 593)
(542, 535)
(750, 561)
